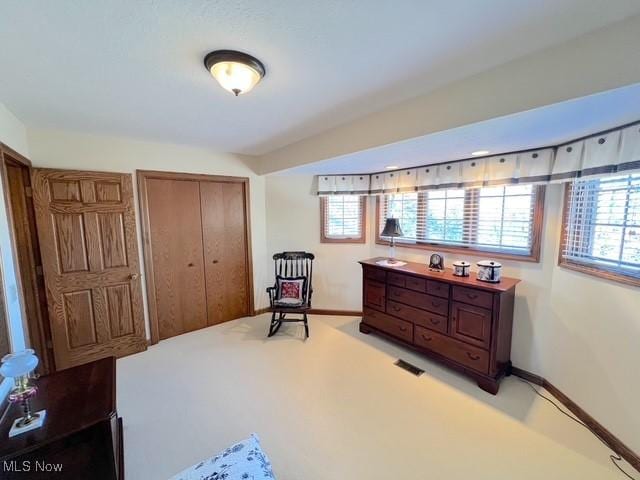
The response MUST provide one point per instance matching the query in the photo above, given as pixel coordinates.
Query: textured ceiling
(540, 127)
(134, 68)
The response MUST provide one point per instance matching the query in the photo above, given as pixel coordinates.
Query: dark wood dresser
(82, 434)
(459, 321)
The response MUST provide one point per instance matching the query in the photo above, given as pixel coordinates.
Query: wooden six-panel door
(86, 225)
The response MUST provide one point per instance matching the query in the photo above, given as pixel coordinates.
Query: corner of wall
(13, 133)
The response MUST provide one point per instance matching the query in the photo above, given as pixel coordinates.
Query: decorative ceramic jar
(461, 268)
(489, 271)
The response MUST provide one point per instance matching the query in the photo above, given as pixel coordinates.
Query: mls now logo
(29, 466)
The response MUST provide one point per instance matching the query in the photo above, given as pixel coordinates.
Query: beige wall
(13, 133)
(57, 149)
(293, 223)
(578, 331)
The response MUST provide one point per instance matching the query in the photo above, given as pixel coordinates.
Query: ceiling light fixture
(236, 72)
(391, 167)
(479, 153)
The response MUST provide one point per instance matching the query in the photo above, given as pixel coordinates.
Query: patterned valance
(614, 152)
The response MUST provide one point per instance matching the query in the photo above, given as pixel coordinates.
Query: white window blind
(602, 224)
(343, 217)
(498, 219)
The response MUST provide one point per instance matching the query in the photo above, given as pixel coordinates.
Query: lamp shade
(19, 363)
(392, 228)
(235, 71)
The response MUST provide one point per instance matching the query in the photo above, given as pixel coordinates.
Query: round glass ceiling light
(236, 72)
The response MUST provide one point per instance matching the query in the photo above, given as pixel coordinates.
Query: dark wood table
(81, 435)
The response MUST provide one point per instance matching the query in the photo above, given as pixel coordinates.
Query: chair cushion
(290, 291)
(244, 460)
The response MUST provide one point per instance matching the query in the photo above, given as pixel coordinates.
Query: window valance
(613, 152)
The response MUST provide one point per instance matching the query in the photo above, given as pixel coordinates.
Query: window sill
(343, 240)
(532, 258)
(600, 273)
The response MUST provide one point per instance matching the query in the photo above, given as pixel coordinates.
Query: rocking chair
(292, 291)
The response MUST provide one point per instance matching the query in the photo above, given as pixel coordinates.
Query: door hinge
(28, 191)
(39, 270)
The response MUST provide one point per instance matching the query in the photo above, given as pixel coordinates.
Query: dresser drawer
(375, 274)
(407, 281)
(460, 352)
(439, 289)
(417, 316)
(396, 279)
(387, 323)
(421, 300)
(417, 284)
(374, 294)
(473, 296)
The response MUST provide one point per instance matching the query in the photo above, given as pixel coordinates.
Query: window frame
(587, 268)
(536, 234)
(323, 221)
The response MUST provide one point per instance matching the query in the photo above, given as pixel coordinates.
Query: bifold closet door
(175, 237)
(224, 233)
(196, 238)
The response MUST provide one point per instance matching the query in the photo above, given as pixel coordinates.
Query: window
(505, 221)
(342, 219)
(601, 228)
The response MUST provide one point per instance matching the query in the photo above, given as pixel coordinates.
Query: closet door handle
(190, 265)
(133, 276)
(215, 261)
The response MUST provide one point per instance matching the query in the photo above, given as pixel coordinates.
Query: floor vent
(409, 368)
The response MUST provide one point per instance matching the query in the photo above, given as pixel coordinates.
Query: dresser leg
(490, 386)
(364, 329)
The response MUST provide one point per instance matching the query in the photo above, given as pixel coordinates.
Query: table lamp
(392, 230)
(18, 366)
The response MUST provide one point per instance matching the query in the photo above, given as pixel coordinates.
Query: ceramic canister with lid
(461, 268)
(489, 271)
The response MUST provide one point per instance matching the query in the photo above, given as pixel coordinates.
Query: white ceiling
(545, 126)
(134, 68)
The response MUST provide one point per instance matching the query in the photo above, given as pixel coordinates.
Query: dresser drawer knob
(472, 296)
(425, 338)
(396, 308)
(403, 329)
(434, 321)
(473, 357)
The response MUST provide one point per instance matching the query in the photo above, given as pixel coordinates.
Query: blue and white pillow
(243, 461)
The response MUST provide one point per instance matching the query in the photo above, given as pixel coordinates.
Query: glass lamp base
(392, 254)
(20, 426)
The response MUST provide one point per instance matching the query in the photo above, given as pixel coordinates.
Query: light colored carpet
(336, 408)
